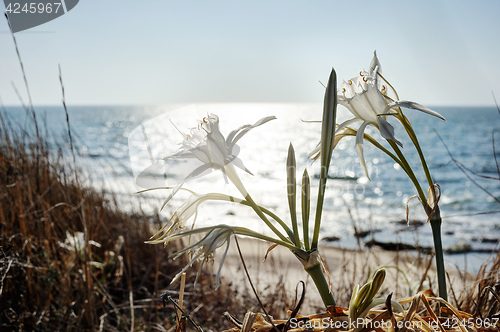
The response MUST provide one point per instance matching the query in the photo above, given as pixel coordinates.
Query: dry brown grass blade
(5, 275)
(268, 251)
(388, 305)
(181, 296)
(233, 320)
(422, 280)
(453, 309)
(433, 200)
(410, 313)
(407, 206)
(248, 321)
(431, 312)
(269, 319)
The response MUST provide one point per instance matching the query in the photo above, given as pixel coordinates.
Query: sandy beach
(346, 268)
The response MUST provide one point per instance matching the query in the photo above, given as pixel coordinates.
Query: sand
(346, 268)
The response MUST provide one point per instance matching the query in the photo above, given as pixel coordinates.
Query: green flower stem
(238, 230)
(262, 216)
(435, 218)
(382, 148)
(319, 279)
(301, 254)
(275, 217)
(228, 198)
(438, 248)
(319, 207)
(306, 206)
(233, 176)
(409, 129)
(223, 197)
(406, 166)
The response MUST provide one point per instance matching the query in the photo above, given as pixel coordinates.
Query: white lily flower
(207, 144)
(367, 98)
(204, 250)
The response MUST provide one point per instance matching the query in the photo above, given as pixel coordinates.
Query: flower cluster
(371, 99)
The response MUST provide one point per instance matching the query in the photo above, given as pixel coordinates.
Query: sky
(439, 52)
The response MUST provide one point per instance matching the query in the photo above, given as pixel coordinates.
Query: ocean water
(113, 146)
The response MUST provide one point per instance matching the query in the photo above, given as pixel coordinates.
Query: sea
(123, 149)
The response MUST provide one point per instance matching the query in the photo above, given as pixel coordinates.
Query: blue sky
(193, 51)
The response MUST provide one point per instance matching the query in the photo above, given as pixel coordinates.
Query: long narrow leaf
(306, 206)
(291, 186)
(327, 144)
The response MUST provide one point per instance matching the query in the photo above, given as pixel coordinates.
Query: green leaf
(362, 295)
(291, 189)
(328, 122)
(306, 207)
(327, 145)
(378, 280)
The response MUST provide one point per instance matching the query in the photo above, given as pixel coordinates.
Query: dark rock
(485, 240)
(393, 246)
(331, 238)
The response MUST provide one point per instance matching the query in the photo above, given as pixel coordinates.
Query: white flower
(76, 242)
(367, 98)
(208, 145)
(204, 250)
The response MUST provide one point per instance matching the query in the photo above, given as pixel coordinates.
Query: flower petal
(359, 148)
(222, 262)
(239, 163)
(413, 105)
(314, 154)
(346, 123)
(233, 133)
(387, 131)
(240, 132)
(152, 176)
(197, 172)
(375, 63)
